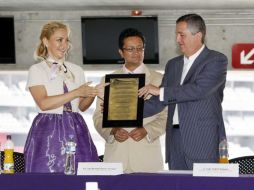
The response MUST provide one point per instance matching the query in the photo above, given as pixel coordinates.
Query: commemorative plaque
(122, 106)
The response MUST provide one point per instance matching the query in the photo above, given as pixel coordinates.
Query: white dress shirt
(138, 70)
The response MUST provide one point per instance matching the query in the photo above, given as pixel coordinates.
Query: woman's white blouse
(39, 74)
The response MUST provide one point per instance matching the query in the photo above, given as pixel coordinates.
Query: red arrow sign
(243, 56)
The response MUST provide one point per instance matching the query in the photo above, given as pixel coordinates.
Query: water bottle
(223, 151)
(8, 156)
(70, 149)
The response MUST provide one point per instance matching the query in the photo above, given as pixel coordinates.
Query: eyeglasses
(132, 49)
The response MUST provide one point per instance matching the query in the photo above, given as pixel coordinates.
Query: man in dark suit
(192, 88)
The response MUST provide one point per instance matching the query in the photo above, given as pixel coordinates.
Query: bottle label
(8, 152)
(70, 149)
(8, 167)
(8, 161)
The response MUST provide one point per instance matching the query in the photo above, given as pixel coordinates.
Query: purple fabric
(45, 146)
(44, 150)
(68, 104)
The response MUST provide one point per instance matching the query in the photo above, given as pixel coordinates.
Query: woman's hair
(47, 31)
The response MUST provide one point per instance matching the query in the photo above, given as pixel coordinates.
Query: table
(139, 181)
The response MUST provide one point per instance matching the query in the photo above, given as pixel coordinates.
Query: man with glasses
(192, 89)
(139, 149)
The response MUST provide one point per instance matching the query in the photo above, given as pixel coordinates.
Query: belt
(176, 126)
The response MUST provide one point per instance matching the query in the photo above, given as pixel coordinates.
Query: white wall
(224, 28)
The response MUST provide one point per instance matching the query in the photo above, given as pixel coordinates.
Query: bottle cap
(71, 136)
(8, 137)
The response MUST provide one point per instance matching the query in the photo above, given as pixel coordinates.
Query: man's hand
(138, 134)
(149, 89)
(120, 134)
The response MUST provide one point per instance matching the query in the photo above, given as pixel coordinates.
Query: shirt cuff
(111, 139)
(149, 139)
(161, 94)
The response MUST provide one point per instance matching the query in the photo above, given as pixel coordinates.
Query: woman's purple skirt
(45, 145)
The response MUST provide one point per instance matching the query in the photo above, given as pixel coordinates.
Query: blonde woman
(59, 90)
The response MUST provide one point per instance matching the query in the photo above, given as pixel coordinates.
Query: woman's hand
(100, 87)
(87, 91)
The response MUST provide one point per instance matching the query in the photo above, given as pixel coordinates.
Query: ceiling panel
(123, 4)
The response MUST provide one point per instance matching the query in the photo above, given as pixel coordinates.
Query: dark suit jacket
(199, 101)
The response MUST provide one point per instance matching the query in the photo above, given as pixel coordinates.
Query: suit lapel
(178, 71)
(196, 63)
(147, 73)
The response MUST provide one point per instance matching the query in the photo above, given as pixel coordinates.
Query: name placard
(99, 168)
(216, 170)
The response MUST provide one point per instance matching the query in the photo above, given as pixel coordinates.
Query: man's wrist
(113, 131)
(111, 139)
(149, 139)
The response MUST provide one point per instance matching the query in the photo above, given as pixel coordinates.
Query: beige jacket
(142, 156)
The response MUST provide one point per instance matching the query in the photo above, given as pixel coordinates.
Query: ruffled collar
(59, 68)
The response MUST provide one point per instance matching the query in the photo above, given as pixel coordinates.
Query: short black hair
(129, 32)
(195, 24)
